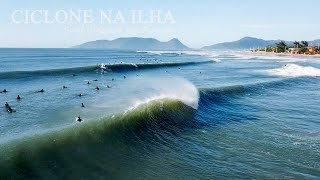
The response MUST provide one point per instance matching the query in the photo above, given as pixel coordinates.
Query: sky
(196, 23)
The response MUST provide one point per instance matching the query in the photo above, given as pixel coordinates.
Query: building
(294, 50)
(312, 49)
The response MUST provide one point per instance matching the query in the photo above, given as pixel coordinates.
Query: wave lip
(294, 70)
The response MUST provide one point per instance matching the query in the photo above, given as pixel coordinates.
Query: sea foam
(294, 70)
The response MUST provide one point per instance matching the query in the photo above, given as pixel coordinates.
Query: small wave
(294, 70)
(132, 66)
(213, 55)
(111, 67)
(49, 72)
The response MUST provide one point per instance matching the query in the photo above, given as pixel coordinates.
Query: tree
(296, 44)
(281, 46)
(304, 43)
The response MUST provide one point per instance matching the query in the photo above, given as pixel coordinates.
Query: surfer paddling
(8, 108)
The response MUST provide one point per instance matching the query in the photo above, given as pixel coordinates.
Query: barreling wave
(84, 69)
(88, 142)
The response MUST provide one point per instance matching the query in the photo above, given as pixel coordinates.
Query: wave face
(293, 70)
(92, 143)
(111, 67)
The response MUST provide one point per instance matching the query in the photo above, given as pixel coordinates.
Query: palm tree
(304, 43)
(281, 46)
(296, 44)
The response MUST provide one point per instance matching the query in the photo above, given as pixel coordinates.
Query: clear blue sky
(197, 23)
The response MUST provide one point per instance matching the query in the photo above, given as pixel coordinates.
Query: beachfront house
(294, 50)
(312, 49)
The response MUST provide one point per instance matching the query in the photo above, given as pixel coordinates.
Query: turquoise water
(159, 115)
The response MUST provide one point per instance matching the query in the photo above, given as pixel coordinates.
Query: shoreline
(283, 54)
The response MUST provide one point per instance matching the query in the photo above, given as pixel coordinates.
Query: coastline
(283, 54)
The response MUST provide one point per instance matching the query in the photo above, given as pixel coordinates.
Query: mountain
(314, 42)
(244, 43)
(134, 43)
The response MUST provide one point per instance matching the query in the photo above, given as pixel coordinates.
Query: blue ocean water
(159, 115)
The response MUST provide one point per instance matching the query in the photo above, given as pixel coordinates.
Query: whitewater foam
(294, 70)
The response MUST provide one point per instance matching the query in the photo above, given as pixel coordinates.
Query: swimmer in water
(79, 119)
(82, 105)
(18, 97)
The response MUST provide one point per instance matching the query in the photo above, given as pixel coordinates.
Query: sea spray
(175, 88)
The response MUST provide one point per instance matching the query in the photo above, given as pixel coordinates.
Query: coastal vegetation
(296, 47)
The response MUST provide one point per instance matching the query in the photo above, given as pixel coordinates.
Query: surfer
(82, 105)
(79, 119)
(64, 87)
(97, 88)
(80, 95)
(108, 86)
(41, 91)
(18, 97)
(112, 79)
(124, 77)
(88, 82)
(95, 80)
(4, 91)
(6, 105)
(73, 75)
(10, 110)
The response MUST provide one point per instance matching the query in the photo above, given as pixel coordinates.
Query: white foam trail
(293, 70)
(176, 89)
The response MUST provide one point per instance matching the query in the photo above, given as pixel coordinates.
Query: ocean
(158, 115)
